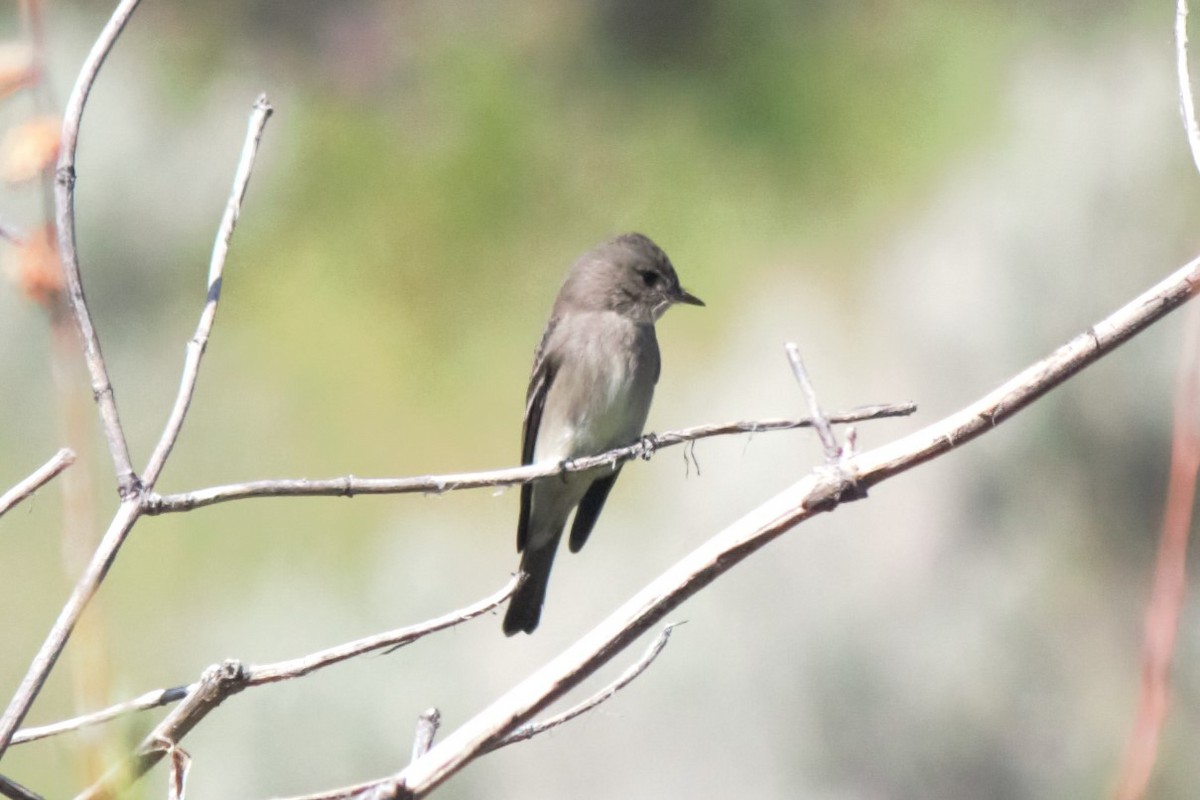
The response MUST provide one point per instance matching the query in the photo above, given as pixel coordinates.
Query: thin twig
(1187, 102)
(134, 496)
(224, 680)
(85, 589)
(114, 434)
(349, 485)
(11, 233)
(833, 451)
(181, 765)
(1170, 575)
(298, 667)
(818, 492)
(12, 789)
(427, 727)
(387, 787)
(217, 683)
(269, 673)
(154, 699)
(195, 348)
(1170, 569)
(531, 729)
(37, 479)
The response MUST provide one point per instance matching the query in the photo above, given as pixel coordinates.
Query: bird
(593, 378)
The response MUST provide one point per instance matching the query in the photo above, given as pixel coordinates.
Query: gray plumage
(593, 378)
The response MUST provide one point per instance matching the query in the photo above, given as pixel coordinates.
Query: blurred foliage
(464, 154)
(432, 170)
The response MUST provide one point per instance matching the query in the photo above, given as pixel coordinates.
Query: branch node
(649, 445)
(427, 727)
(65, 176)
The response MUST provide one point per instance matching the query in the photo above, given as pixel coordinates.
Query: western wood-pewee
(593, 379)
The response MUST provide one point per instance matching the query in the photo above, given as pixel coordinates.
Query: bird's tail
(525, 607)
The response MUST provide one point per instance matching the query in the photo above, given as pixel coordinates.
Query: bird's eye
(649, 278)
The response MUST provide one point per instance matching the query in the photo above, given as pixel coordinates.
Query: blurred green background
(926, 196)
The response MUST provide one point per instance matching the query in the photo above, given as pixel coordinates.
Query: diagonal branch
(350, 485)
(531, 729)
(833, 451)
(195, 349)
(1170, 569)
(11, 789)
(64, 196)
(37, 479)
(431, 718)
(127, 482)
(154, 699)
(820, 491)
(221, 681)
(127, 514)
(427, 726)
(134, 496)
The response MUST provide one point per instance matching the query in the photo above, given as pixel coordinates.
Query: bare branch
(127, 482)
(224, 680)
(51, 648)
(427, 727)
(11, 233)
(195, 349)
(821, 491)
(1170, 575)
(154, 699)
(217, 683)
(531, 729)
(428, 723)
(37, 479)
(181, 764)
(114, 434)
(298, 667)
(350, 485)
(1170, 569)
(133, 493)
(1187, 102)
(833, 451)
(14, 790)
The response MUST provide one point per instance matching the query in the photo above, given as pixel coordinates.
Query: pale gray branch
(427, 727)
(428, 722)
(531, 729)
(221, 681)
(37, 479)
(350, 485)
(833, 451)
(297, 667)
(154, 699)
(1187, 101)
(195, 348)
(64, 202)
(11, 233)
(12, 789)
(85, 589)
(821, 491)
(135, 495)
(114, 434)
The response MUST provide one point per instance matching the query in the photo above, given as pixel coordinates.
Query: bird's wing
(589, 510)
(544, 369)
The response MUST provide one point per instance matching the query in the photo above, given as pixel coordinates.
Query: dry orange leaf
(16, 67)
(38, 271)
(30, 148)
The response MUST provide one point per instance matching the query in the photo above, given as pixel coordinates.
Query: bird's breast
(602, 390)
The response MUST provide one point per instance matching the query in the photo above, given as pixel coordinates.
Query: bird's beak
(685, 296)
